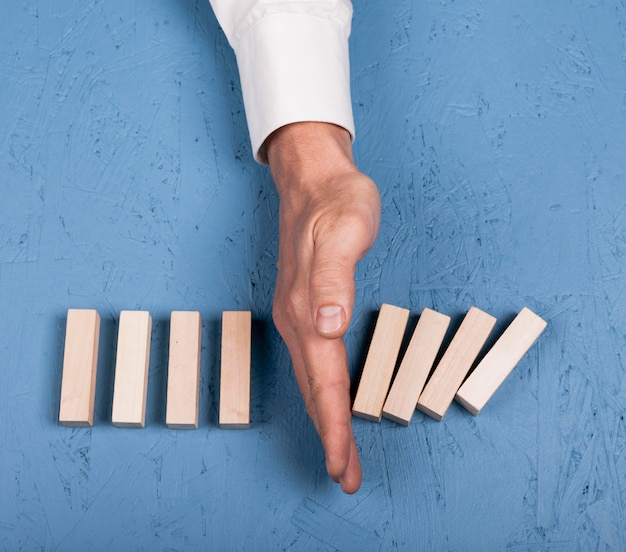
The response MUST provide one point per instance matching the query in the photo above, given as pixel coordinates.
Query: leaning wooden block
(80, 365)
(131, 369)
(235, 370)
(455, 363)
(380, 362)
(183, 371)
(500, 360)
(415, 367)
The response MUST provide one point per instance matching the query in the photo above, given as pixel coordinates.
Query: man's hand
(329, 218)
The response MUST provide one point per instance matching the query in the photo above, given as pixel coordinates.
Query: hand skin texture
(329, 219)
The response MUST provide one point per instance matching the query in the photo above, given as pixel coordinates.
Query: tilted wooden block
(131, 369)
(415, 367)
(380, 362)
(455, 363)
(183, 370)
(80, 366)
(500, 360)
(235, 370)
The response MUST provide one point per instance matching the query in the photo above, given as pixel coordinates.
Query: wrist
(306, 156)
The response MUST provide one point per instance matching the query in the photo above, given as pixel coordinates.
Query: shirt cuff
(294, 68)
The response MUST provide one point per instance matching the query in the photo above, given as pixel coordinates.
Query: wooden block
(183, 371)
(80, 366)
(455, 363)
(415, 367)
(235, 370)
(500, 360)
(131, 369)
(380, 362)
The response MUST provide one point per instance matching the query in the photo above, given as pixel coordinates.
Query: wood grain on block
(380, 362)
(80, 366)
(235, 370)
(131, 369)
(500, 360)
(455, 363)
(183, 370)
(415, 367)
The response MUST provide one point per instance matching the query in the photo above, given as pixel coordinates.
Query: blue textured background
(497, 134)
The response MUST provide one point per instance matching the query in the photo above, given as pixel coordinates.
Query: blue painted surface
(497, 134)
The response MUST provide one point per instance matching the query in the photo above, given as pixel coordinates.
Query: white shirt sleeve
(293, 62)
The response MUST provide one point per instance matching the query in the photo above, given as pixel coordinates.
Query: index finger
(326, 366)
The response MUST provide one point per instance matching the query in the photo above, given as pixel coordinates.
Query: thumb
(332, 294)
(331, 284)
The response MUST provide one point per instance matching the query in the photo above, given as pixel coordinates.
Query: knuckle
(318, 388)
(335, 270)
(332, 278)
(279, 318)
(288, 310)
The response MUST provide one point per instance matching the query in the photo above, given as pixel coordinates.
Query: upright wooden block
(80, 366)
(500, 360)
(235, 370)
(380, 362)
(131, 369)
(415, 367)
(455, 363)
(183, 371)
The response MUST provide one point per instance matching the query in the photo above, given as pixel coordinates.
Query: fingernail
(330, 318)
